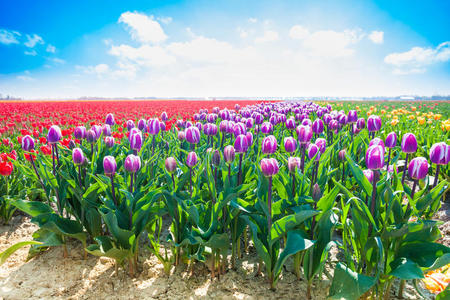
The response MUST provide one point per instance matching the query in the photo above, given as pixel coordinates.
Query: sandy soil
(49, 275)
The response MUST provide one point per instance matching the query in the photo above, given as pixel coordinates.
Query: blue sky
(65, 49)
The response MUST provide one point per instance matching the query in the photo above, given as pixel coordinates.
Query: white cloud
(99, 70)
(165, 20)
(329, 43)
(143, 28)
(50, 48)
(298, 32)
(33, 40)
(144, 55)
(58, 60)
(417, 58)
(377, 37)
(242, 32)
(25, 77)
(31, 53)
(9, 37)
(252, 20)
(268, 36)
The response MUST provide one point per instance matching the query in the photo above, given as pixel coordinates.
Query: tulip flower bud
(361, 123)
(181, 135)
(316, 193)
(369, 175)
(136, 141)
(109, 141)
(216, 158)
(322, 144)
(78, 156)
(162, 126)
(142, 125)
(27, 143)
(304, 134)
(91, 137)
(313, 150)
(106, 130)
(293, 163)
(191, 159)
(239, 128)
(223, 126)
(269, 166)
(391, 140)
(164, 116)
(439, 153)
(54, 134)
(171, 164)
(130, 124)
(269, 145)
(80, 132)
(110, 119)
(192, 135)
(318, 126)
(373, 123)
(341, 155)
(352, 116)
(109, 165)
(409, 143)
(132, 163)
(377, 141)
(241, 144)
(229, 154)
(418, 168)
(132, 131)
(98, 131)
(290, 124)
(266, 127)
(375, 157)
(153, 126)
(290, 144)
(249, 136)
(307, 122)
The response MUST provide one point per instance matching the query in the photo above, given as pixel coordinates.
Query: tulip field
(211, 184)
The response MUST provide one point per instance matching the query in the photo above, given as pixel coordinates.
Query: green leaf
(405, 269)
(8, 252)
(348, 284)
(424, 254)
(105, 247)
(359, 175)
(294, 243)
(282, 226)
(33, 208)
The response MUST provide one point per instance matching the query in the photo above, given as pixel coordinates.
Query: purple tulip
(373, 123)
(229, 154)
(216, 158)
(239, 128)
(290, 144)
(439, 153)
(322, 144)
(192, 135)
(266, 127)
(317, 126)
(109, 165)
(171, 164)
(375, 157)
(269, 167)
(54, 134)
(223, 126)
(153, 126)
(361, 123)
(181, 135)
(136, 141)
(313, 150)
(269, 145)
(130, 124)
(369, 175)
(142, 125)
(409, 143)
(377, 141)
(391, 140)
(78, 156)
(290, 124)
(241, 144)
(91, 137)
(249, 136)
(418, 168)
(106, 129)
(164, 116)
(306, 122)
(80, 132)
(109, 119)
(293, 164)
(27, 143)
(352, 116)
(304, 134)
(132, 163)
(109, 141)
(191, 159)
